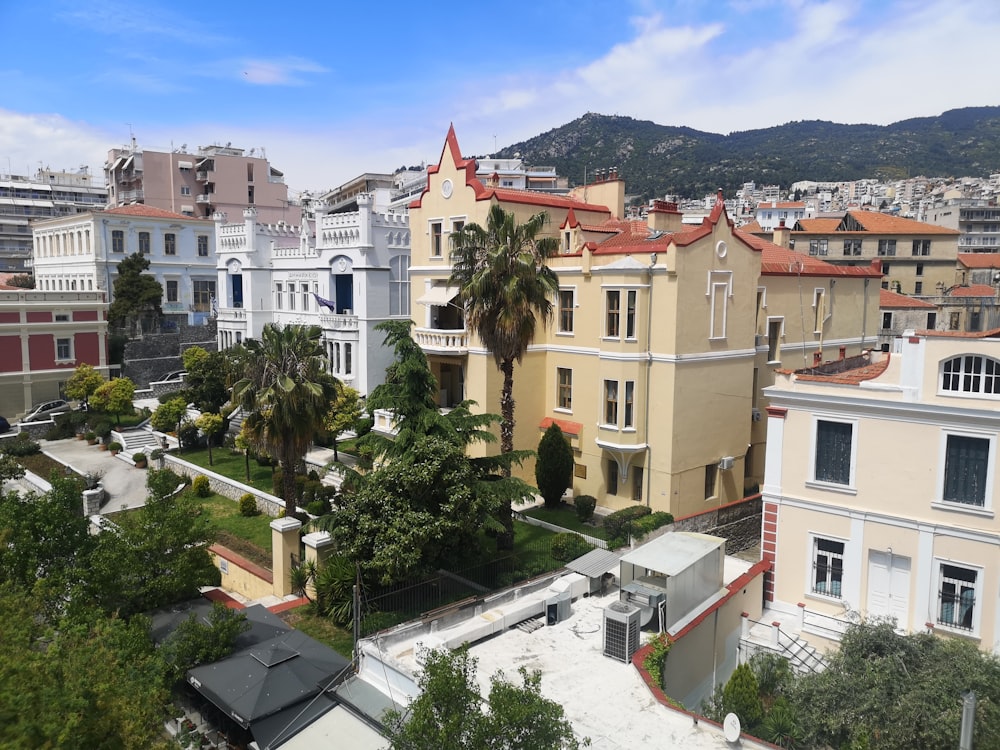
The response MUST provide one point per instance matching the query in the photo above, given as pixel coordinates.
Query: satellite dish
(731, 727)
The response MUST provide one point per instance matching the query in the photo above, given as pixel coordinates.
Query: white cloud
(53, 140)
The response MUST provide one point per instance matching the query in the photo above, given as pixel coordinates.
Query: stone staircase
(802, 656)
(236, 421)
(133, 441)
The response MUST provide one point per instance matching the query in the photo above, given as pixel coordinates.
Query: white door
(889, 587)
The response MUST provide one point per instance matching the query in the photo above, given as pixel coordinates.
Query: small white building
(82, 253)
(346, 272)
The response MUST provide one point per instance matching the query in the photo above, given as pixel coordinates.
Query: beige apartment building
(880, 494)
(213, 179)
(650, 364)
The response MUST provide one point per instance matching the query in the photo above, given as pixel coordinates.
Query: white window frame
(961, 393)
(439, 222)
(607, 335)
(278, 291)
(781, 336)
(813, 539)
(939, 502)
(605, 401)
(166, 291)
(814, 434)
(560, 331)
(819, 309)
(717, 280)
(559, 407)
(69, 339)
(977, 608)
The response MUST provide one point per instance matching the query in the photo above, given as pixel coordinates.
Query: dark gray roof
(595, 563)
(264, 624)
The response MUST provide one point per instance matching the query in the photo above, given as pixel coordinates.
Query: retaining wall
(266, 503)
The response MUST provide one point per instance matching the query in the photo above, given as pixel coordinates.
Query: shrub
(585, 505)
(201, 486)
(102, 429)
(568, 546)
(156, 454)
(114, 446)
(66, 425)
(248, 505)
(646, 524)
(554, 466)
(742, 697)
(315, 508)
(313, 475)
(90, 437)
(22, 445)
(168, 414)
(188, 434)
(618, 524)
(139, 457)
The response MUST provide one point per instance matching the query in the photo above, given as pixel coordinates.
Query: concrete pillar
(319, 545)
(744, 625)
(284, 549)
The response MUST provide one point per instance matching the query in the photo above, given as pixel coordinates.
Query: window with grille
(957, 597)
(828, 567)
(966, 466)
(833, 452)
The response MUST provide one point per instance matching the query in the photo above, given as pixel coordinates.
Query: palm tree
(285, 392)
(506, 289)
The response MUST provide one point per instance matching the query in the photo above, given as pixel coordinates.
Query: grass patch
(253, 530)
(43, 466)
(232, 465)
(320, 628)
(565, 516)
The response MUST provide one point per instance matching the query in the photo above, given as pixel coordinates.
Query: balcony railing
(203, 174)
(203, 198)
(232, 314)
(438, 341)
(339, 322)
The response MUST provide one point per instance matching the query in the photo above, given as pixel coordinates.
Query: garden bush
(554, 466)
(67, 425)
(618, 524)
(22, 445)
(646, 524)
(315, 508)
(201, 486)
(102, 428)
(248, 505)
(566, 547)
(114, 446)
(139, 457)
(188, 434)
(585, 505)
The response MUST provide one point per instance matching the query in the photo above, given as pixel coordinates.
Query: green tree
(9, 468)
(741, 696)
(507, 289)
(285, 394)
(449, 712)
(554, 466)
(83, 382)
(137, 295)
(114, 397)
(344, 413)
(210, 424)
(206, 379)
(168, 415)
(194, 642)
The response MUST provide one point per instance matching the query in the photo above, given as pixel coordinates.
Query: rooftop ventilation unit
(557, 608)
(621, 630)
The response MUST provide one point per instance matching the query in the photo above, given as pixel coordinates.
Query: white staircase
(134, 441)
(802, 656)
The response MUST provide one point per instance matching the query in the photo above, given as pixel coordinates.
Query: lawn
(226, 517)
(322, 629)
(565, 516)
(232, 465)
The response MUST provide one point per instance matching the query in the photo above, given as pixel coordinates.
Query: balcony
(203, 198)
(203, 174)
(232, 315)
(441, 341)
(339, 322)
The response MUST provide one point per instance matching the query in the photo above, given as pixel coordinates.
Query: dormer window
(971, 373)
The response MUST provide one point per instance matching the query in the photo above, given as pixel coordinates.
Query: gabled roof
(150, 212)
(782, 261)
(973, 290)
(893, 301)
(979, 260)
(752, 227)
(870, 222)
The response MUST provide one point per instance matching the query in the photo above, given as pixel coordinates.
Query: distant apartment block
(46, 195)
(976, 219)
(213, 179)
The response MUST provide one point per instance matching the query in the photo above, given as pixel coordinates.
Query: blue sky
(334, 89)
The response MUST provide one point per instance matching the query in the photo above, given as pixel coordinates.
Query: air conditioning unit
(621, 630)
(726, 463)
(755, 415)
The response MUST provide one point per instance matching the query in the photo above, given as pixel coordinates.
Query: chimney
(817, 358)
(664, 217)
(782, 235)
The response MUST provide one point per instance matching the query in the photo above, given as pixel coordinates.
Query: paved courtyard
(124, 484)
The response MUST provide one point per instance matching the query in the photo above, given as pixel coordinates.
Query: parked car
(173, 376)
(47, 410)
(4, 425)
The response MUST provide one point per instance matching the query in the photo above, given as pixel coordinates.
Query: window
(931, 320)
(971, 373)
(887, 247)
(144, 243)
(204, 295)
(612, 477)
(818, 247)
(249, 171)
(819, 310)
(828, 567)
(887, 320)
(566, 242)
(637, 484)
(918, 287)
(185, 190)
(250, 195)
(613, 324)
(630, 314)
(305, 295)
(774, 326)
(291, 296)
(170, 244)
(567, 301)
(920, 269)
(957, 597)
(711, 472)
(834, 448)
(921, 247)
(277, 295)
(436, 239)
(852, 247)
(171, 290)
(629, 398)
(347, 359)
(64, 349)
(611, 402)
(885, 269)
(117, 241)
(564, 397)
(203, 245)
(954, 321)
(399, 285)
(457, 226)
(966, 466)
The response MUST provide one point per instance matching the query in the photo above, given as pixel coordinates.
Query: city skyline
(332, 92)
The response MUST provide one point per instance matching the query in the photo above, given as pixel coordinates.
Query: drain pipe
(649, 377)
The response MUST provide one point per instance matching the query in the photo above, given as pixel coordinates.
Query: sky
(333, 89)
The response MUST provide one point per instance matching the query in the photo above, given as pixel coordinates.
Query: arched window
(971, 373)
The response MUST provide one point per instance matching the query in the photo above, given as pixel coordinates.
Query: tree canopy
(554, 466)
(114, 397)
(83, 382)
(137, 295)
(205, 384)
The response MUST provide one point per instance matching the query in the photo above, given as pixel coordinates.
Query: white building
(82, 253)
(347, 273)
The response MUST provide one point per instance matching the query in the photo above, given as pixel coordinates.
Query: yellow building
(880, 495)
(650, 362)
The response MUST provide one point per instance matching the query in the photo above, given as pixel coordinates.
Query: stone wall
(266, 503)
(738, 523)
(149, 358)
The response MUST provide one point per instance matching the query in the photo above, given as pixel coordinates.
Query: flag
(325, 302)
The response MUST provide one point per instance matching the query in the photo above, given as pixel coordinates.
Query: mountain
(656, 159)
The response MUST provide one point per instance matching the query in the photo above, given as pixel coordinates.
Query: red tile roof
(570, 428)
(872, 222)
(141, 209)
(974, 290)
(752, 228)
(891, 300)
(817, 225)
(991, 334)
(979, 260)
(781, 261)
(850, 377)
